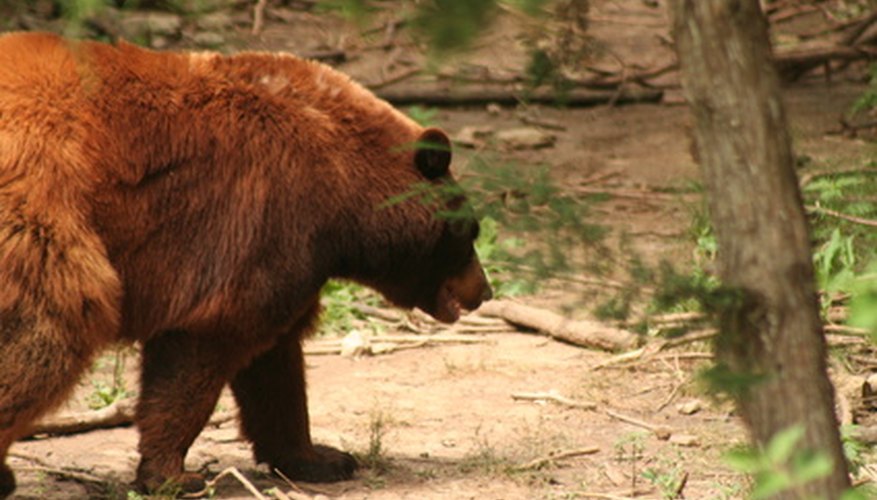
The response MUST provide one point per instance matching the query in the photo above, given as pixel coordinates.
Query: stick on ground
(582, 333)
(554, 457)
(553, 396)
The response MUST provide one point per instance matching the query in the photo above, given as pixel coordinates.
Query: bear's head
(437, 269)
(461, 282)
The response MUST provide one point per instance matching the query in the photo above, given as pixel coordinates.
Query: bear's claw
(7, 481)
(326, 465)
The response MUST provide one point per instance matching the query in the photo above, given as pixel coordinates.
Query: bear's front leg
(274, 415)
(182, 377)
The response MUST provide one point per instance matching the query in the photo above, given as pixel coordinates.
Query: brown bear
(196, 203)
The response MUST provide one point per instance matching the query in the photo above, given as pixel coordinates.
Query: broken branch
(582, 333)
(554, 457)
(553, 396)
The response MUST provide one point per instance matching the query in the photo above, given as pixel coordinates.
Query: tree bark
(741, 137)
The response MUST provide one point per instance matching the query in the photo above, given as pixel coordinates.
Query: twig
(839, 215)
(65, 472)
(599, 176)
(623, 357)
(865, 360)
(682, 483)
(792, 12)
(808, 177)
(555, 456)
(676, 317)
(684, 355)
(553, 396)
(859, 28)
(851, 129)
(638, 194)
(613, 79)
(377, 312)
(231, 471)
(259, 16)
(695, 336)
(661, 432)
(850, 330)
(386, 344)
(670, 397)
(604, 496)
(403, 75)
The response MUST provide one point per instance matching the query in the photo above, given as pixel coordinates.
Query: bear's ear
(433, 155)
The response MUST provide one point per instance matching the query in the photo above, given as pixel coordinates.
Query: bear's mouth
(447, 307)
(464, 291)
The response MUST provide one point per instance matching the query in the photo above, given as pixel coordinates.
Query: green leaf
(770, 483)
(745, 460)
(781, 446)
(811, 465)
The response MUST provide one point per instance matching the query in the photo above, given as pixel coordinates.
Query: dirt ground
(444, 416)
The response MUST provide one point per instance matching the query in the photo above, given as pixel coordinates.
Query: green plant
(854, 450)
(105, 394)
(374, 457)
(494, 253)
(77, 12)
(781, 465)
(669, 481)
(863, 306)
(426, 117)
(849, 192)
(845, 250)
(834, 263)
(629, 449)
(548, 230)
(339, 311)
(868, 99)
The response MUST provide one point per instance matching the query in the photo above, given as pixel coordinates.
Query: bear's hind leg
(274, 414)
(182, 377)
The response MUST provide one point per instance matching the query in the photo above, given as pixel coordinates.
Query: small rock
(473, 135)
(869, 392)
(214, 21)
(689, 407)
(663, 432)
(208, 39)
(354, 344)
(525, 138)
(145, 25)
(685, 440)
(493, 109)
(159, 42)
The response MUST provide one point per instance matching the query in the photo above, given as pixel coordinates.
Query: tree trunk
(764, 248)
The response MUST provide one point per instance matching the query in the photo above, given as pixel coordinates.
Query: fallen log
(441, 95)
(793, 64)
(581, 333)
(117, 414)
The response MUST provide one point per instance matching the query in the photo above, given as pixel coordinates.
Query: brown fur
(197, 203)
